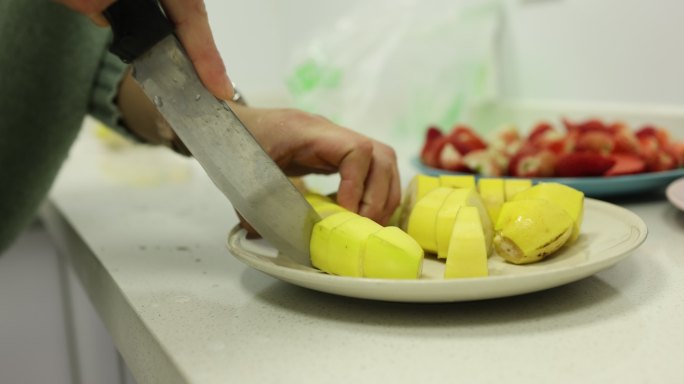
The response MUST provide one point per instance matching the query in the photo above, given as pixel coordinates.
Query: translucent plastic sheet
(394, 67)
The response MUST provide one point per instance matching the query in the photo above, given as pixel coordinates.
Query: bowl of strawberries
(597, 156)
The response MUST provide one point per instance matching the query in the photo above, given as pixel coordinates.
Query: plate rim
(581, 271)
(677, 201)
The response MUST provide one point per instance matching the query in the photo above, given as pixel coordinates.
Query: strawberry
(600, 142)
(434, 142)
(539, 132)
(662, 136)
(507, 141)
(625, 164)
(593, 125)
(451, 160)
(579, 164)
(677, 150)
(484, 162)
(625, 140)
(532, 163)
(465, 139)
(663, 161)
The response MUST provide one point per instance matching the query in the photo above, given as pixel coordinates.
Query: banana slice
(392, 254)
(568, 198)
(419, 186)
(446, 217)
(467, 256)
(513, 186)
(320, 238)
(529, 230)
(493, 195)
(457, 181)
(422, 222)
(346, 246)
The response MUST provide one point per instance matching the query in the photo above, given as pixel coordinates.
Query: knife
(223, 146)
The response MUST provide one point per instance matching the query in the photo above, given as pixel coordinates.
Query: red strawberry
(593, 125)
(590, 125)
(539, 132)
(579, 164)
(596, 142)
(677, 150)
(625, 164)
(532, 163)
(625, 140)
(662, 136)
(663, 161)
(506, 142)
(451, 160)
(434, 142)
(484, 162)
(465, 139)
(569, 125)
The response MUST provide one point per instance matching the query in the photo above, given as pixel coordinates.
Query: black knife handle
(137, 25)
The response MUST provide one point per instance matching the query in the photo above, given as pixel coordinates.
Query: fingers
(382, 186)
(370, 182)
(354, 169)
(87, 7)
(192, 28)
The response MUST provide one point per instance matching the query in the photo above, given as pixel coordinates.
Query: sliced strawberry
(625, 140)
(663, 161)
(579, 164)
(451, 160)
(625, 164)
(539, 132)
(595, 142)
(532, 163)
(677, 150)
(593, 125)
(507, 141)
(484, 162)
(661, 135)
(465, 139)
(432, 147)
(569, 125)
(590, 125)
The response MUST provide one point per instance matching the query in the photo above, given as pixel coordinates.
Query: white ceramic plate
(609, 233)
(675, 193)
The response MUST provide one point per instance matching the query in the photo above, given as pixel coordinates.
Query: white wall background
(604, 50)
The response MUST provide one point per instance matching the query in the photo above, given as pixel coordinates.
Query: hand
(302, 143)
(192, 28)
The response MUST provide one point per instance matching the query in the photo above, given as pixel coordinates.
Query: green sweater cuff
(103, 105)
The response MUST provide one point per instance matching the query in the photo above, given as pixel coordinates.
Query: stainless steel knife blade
(227, 151)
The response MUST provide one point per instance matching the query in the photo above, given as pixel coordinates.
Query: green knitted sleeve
(52, 73)
(104, 92)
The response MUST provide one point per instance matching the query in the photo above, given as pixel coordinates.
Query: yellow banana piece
(529, 230)
(422, 222)
(493, 195)
(457, 181)
(467, 254)
(568, 198)
(419, 186)
(513, 186)
(447, 215)
(390, 253)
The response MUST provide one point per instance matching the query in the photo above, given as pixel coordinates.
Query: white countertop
(150, 250)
